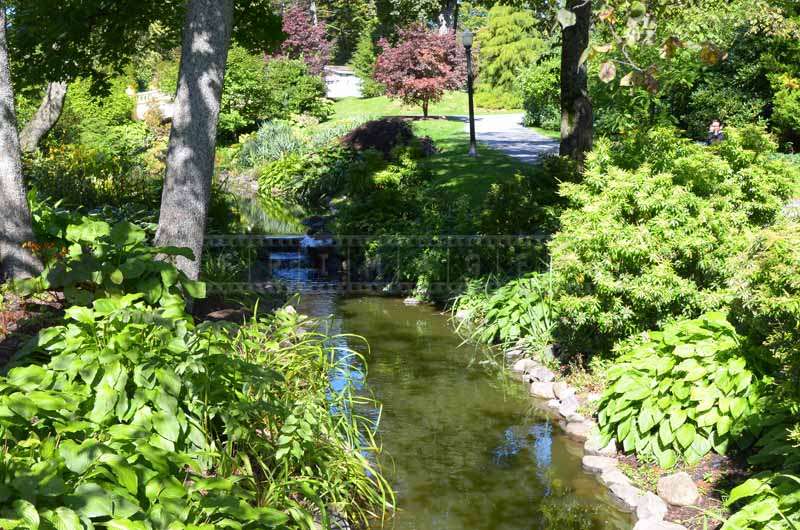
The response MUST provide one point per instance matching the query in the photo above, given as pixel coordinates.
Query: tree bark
(448, 18)
(15, 216)
(45, 118)
(192, 141)
(576, 107)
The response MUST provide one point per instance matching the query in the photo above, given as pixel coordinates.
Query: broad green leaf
(738, 407)
(685, 435)
(117, 277)
(27, 512)
(64, 519)
(667, 458)
(167, 426)
(665, 433)
(677, 418)
(197, 290)
(84, 315)
(748, 488)
(79, 458)
(91, 500)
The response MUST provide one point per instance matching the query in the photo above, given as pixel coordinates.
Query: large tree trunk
(448, 18)
(576, 107)
(190, 155)
(15, 217)
(45, 118)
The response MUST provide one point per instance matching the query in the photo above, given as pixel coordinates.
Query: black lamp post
(467, 39)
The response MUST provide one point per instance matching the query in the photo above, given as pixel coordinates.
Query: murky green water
(464, 451)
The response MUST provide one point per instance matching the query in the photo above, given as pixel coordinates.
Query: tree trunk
(576, 107)
(15, 217)
(425, 109)
(45, 118)
(448, 18)
(192, 141)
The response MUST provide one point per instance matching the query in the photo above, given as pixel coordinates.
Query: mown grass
(452, 104)
(455, 172)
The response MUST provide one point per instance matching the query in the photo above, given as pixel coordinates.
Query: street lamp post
(467, 39)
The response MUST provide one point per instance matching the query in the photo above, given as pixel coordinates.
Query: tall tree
(576, 106)
(16, 261)
(45, 118)
(192, 142)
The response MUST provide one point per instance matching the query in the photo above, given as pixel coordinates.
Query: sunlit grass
(452, 104)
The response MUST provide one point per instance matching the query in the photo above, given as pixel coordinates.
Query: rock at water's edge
(563, 390)
(651, 506)
(592, 446)
(579, 431)
(678, 489)
(657, 524)
(542, 390)
(540, 373)
(523, 365)
(598, 464)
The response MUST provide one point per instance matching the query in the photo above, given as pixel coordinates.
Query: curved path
(505, 132)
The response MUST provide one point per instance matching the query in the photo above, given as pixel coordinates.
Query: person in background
(715, 133)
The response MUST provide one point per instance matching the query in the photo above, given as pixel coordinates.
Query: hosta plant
(768, 501)
(679, 393)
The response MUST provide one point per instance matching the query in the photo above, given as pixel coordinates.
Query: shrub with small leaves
(680, 392)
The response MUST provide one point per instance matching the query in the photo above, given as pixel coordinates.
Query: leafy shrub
(786, 108)
(520, 309)
(138, 418)
(272, 141)
(771, 501)
(487, 98)
(529, 202)
(540, 89)
(246, 94)
(718, 100)
(383, 135)
(293, 90)
(508, 44)
(98, 260)
(766, 307)
(363, 64)
(79, 176)
(306, 39)
(643, 245)
(679, 392)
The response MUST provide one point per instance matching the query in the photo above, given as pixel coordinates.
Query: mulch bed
(20, 319)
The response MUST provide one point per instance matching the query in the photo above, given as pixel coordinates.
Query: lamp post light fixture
(467, 38)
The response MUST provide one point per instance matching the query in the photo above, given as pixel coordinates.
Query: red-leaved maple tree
(421, 66)
(304, 39)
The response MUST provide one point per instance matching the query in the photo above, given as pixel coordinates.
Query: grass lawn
(452, 104)
(457, 174)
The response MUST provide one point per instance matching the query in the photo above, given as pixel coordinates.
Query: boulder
(576, 418)
(579, 431)
(540, 373)
(411, 301)
(514, 353)
(523, 365)
(592, 446)
(627, 496)
(553, 404)
(593, 397)
(563, 390)
(613, 476)
(657, 524)
(569, 405)
(678, 489)
(598, 464)
(651, 507)
(542, 390)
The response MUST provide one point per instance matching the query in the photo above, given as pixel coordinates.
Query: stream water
(462, 449)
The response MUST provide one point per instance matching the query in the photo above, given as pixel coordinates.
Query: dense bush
(733, 106)
(767, 303)
(508, 44)
(293, 89)
(363, 64)
(529, 202)
(134, 417)
(306, 39)
(518, 310)
(246, 94)
(680, 392)
(487, 98)
(768, 501)
(786, 109)
(382, 135)
(540, 88)
(642, 245)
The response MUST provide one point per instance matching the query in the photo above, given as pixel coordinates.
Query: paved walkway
(506, 133)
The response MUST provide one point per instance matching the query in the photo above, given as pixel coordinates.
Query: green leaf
(677, 418)
(64, 519)
(195, 289)
(27, 512)
(685, 435)
(125, 233)
(79, 458)
(724, 424)
(167, 426)
(738, 407)
(748, 488)
(667, 458)
(665, 433)
(84, 315)
(116, 277)
(91, 500)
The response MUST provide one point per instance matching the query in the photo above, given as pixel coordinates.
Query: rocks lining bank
(562, 402)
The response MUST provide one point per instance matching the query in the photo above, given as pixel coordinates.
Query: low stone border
(562, 401)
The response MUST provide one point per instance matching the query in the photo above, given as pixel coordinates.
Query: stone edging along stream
(562, 402)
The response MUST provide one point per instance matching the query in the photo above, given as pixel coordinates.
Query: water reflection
(461, 450)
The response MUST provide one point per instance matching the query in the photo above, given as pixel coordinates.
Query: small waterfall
(305, 263)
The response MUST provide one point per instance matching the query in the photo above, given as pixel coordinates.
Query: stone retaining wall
(562, 402)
